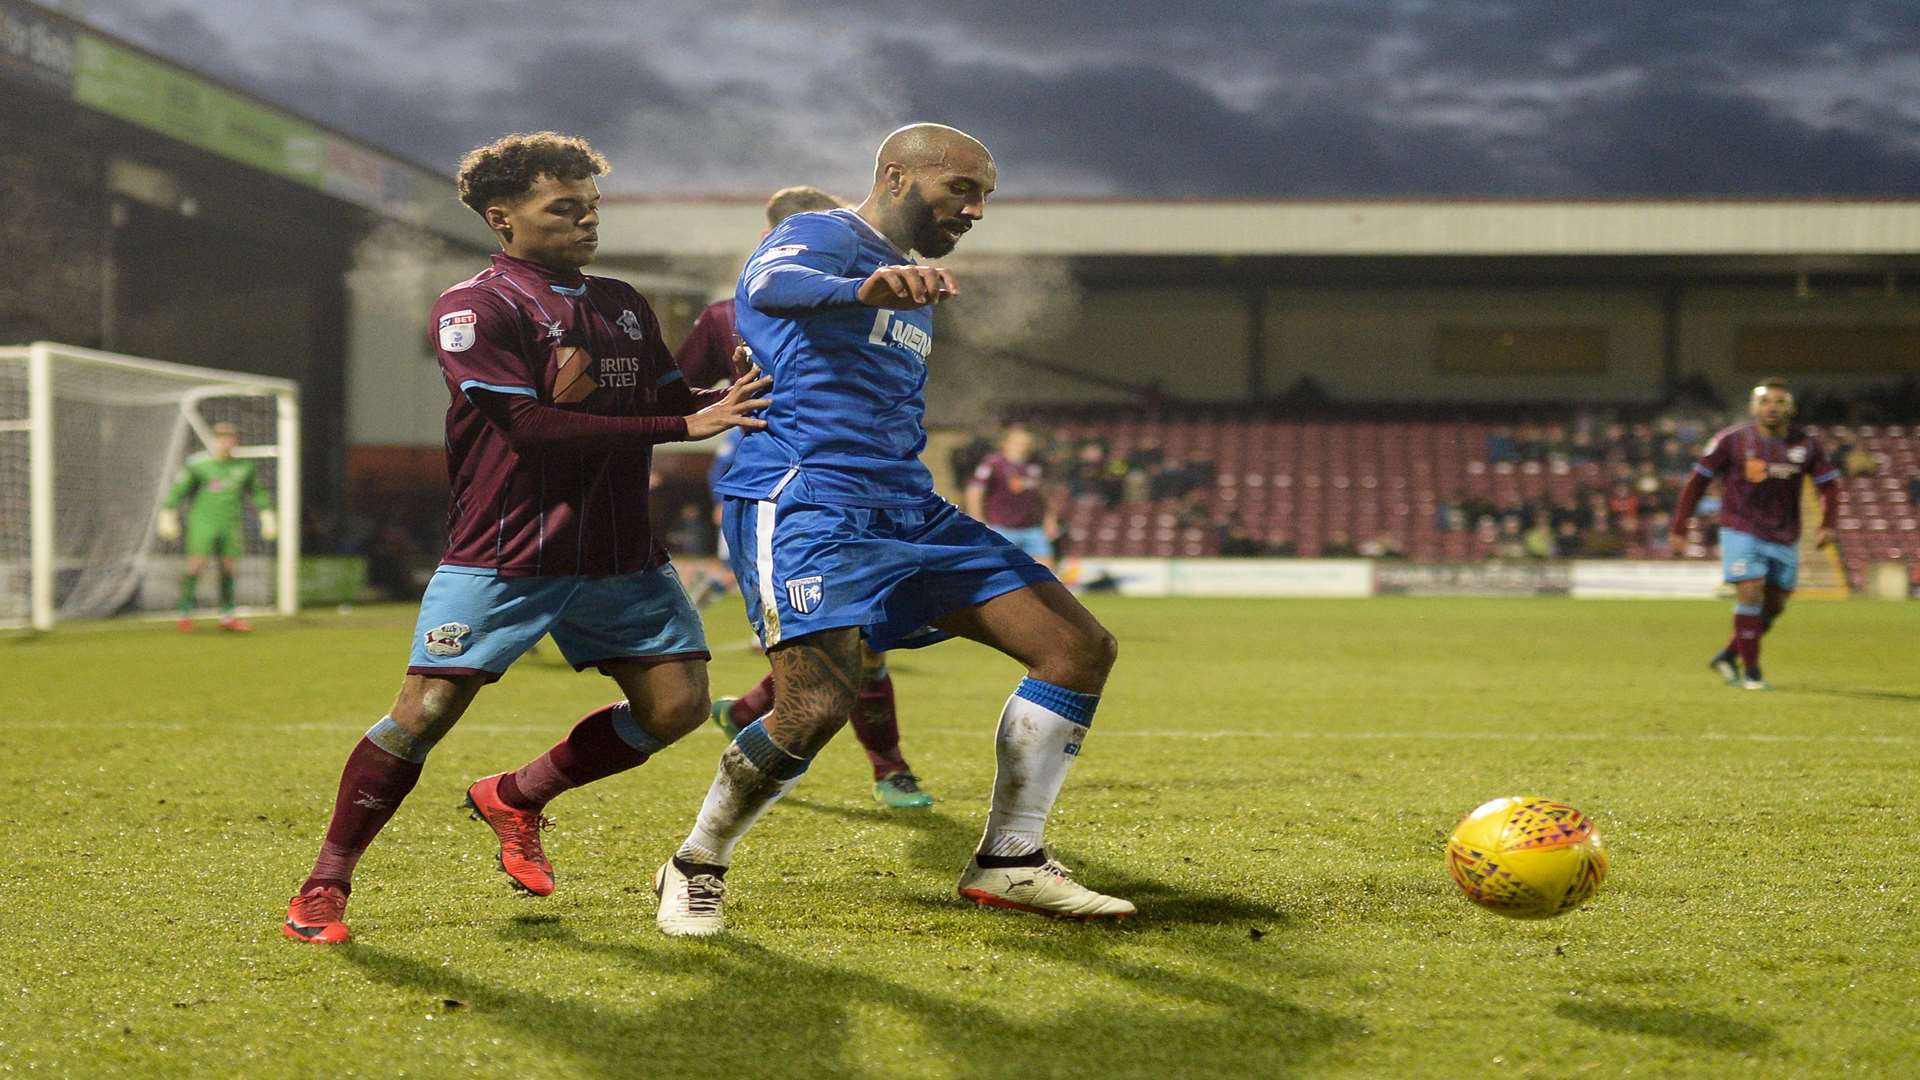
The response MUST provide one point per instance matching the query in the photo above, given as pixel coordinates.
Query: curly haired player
(560, 385)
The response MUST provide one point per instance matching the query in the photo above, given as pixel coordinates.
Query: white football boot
(689, 906)
(1048, 889)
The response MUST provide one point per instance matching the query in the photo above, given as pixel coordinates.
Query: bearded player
(560, 385)
(837, 536)
(705, 358)
(1761, 466)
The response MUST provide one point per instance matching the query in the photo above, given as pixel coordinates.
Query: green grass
(1271, 782)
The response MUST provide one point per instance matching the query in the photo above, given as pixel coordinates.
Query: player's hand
(1823, 537)
(732, 410)
(742, 361)
(167, 526)
(269, 526)
(903, 288)
(1678, 540)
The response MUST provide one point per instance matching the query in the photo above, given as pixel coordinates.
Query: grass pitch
(1271, 782)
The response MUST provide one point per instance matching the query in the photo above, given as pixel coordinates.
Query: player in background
(1009, 492)
(215, 485)
(702, 358)
(837, 535)
(706, 358)
(1761, 466)
(560, 386)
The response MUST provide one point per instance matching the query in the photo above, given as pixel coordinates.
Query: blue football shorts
(804, 567)
(1744, 557)
(475, 622)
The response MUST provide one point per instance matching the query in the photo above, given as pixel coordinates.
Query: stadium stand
(1433, 491)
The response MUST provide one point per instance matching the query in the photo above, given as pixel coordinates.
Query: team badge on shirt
(630, 322)
(803, 594)
(457, 333)
(448, 639)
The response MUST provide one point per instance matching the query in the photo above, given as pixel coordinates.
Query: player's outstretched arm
(735, 409)
(801, 267)
(531, 426)
(906, 287)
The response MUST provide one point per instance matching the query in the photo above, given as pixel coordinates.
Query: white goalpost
(90, 444)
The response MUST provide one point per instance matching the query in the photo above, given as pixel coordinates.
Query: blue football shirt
(847, 420)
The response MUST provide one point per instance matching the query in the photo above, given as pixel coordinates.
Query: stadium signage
(1602, 579)
(1494, 578)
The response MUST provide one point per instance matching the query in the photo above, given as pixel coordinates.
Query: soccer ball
(1527, 857)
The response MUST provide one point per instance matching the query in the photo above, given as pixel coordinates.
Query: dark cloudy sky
(1165, 98)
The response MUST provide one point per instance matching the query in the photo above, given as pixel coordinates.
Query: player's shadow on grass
(1860, 695)
(942, 843)
(1696, 1027)
(1238, 1028)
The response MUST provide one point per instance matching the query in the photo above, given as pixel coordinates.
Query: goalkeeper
(213, 484)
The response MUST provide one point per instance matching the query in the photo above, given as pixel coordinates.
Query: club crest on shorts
(448, 639)
(804, 593)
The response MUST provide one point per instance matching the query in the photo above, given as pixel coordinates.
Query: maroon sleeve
(706, 356)
(477, 340)
(1715, 458)
(530, 425)
(1696, 486)
(1819, 466)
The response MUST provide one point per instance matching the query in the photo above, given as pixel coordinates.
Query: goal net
(90, 445)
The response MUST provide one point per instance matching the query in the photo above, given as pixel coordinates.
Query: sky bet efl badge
(457, 333)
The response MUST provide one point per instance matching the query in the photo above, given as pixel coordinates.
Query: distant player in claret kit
(1009, 492)
(1760, 466)
(215, 485)
(836, 535)
(560, 386)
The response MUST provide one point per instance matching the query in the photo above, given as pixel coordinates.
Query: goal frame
(41, 356)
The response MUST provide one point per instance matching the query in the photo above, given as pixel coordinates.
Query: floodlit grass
(1271, 782)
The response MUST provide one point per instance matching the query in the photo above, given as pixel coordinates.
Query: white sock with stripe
(1041, 729)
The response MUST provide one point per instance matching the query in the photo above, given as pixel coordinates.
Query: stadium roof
(725, 227)
(71, 61)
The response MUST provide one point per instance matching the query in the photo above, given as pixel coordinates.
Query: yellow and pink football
(1527, 857)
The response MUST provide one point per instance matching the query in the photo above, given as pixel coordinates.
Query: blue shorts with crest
(891, 571)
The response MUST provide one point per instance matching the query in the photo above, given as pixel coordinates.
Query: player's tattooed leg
(817, 678)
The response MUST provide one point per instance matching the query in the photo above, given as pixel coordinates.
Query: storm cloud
(1305, 98)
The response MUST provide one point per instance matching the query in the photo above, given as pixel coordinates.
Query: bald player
(1761, 466)
(706, 358)
(837, 536)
